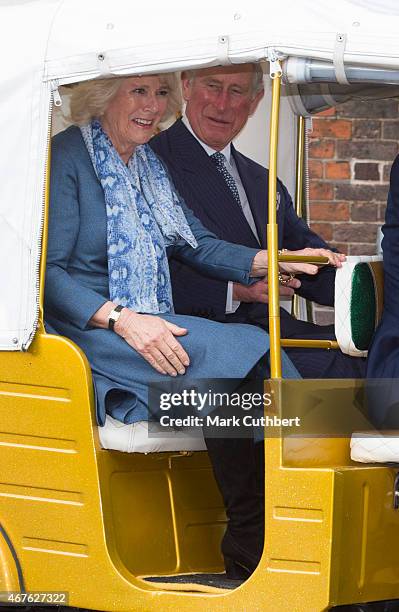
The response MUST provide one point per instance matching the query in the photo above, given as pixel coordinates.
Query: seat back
(358, 303)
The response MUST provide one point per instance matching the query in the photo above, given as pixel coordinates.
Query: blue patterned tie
(220, 162)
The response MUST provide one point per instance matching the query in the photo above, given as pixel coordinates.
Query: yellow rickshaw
(78, 516)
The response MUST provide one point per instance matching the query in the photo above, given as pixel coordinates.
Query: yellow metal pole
(300, 144)
(272, 235)
(298, 343)
(300, 147)
(43, 259)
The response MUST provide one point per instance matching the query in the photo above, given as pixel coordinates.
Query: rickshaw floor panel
(205, 583)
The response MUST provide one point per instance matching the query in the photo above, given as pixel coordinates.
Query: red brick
(356, 232)
(315, 169)
(321, 191)
(320, 211)
(381, 211)
(341, 248)
(364, 171)
(324, 149)
(364, 211)
(329, 112)
(387, 173)
(332, 128)
(362, 249)
(391, 130)
(367, 149)
(361, 192)
(378, 109)
(325, 230)
(337, 170)
(366, 129)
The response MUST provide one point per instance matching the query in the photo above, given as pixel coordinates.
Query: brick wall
(351, 151)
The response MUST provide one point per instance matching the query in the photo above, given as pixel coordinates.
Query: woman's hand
(154, 339)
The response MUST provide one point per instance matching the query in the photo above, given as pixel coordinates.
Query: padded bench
(358, 309)
(136, 438)
(375, 446)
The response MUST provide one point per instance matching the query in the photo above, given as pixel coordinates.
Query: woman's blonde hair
(90, 99)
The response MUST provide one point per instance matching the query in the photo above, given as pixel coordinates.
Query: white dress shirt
(231, 305)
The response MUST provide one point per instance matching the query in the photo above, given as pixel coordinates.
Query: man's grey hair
(257, 77)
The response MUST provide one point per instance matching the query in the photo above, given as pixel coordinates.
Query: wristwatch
(114, 316)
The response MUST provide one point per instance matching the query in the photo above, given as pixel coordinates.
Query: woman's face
(135, 111)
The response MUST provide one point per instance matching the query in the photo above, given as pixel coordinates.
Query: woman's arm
(152, 337)
(64, 296)
(225, 260)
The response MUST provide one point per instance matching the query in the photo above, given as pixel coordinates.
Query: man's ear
(255, 102)
(186, 86)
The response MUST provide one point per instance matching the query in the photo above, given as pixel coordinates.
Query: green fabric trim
(362, 306)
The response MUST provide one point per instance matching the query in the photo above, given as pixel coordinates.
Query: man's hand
(259, 264)
(334, 259)
(258, 292)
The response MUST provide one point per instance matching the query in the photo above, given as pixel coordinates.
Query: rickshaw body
(77, 518)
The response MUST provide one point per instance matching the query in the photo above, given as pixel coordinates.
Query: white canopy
(45, 43)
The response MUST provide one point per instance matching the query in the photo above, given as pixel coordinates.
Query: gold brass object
(317, 261)
(272, 237)
(300, 148)
(43, 257)
(325, 344)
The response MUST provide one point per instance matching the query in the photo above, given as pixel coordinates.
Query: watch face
(113, 317)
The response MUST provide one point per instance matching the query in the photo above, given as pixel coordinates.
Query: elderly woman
(115, 218)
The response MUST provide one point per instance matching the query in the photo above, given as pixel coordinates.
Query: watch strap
(114, 316)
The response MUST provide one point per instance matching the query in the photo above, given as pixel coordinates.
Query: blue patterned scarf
(143, 218)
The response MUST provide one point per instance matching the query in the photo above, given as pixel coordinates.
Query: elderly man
(228, 192)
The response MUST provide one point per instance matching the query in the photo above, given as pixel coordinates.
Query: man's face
(219, 102)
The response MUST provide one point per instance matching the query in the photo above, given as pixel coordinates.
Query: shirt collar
(209, 151)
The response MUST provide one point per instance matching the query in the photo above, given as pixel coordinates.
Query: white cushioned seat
(136, 438)
(375, 446)
(358, 303)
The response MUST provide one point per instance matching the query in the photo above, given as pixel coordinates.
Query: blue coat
(383, 359)
(203, 188)
(77, 285)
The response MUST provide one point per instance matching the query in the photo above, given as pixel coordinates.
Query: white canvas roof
(49, 42)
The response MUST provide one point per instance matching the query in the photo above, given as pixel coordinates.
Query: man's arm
(298, 235)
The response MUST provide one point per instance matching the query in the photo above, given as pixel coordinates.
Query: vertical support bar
(43, 259)
(272, 236)
(300, 147)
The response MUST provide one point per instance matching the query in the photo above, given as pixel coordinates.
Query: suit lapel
(208, 187)
(255, 182)
(255, 185)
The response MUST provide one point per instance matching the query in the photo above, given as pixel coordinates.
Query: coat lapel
(254, 181)
(213, 198)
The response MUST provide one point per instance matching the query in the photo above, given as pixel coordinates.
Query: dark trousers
(238, 466)
(310, 363)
